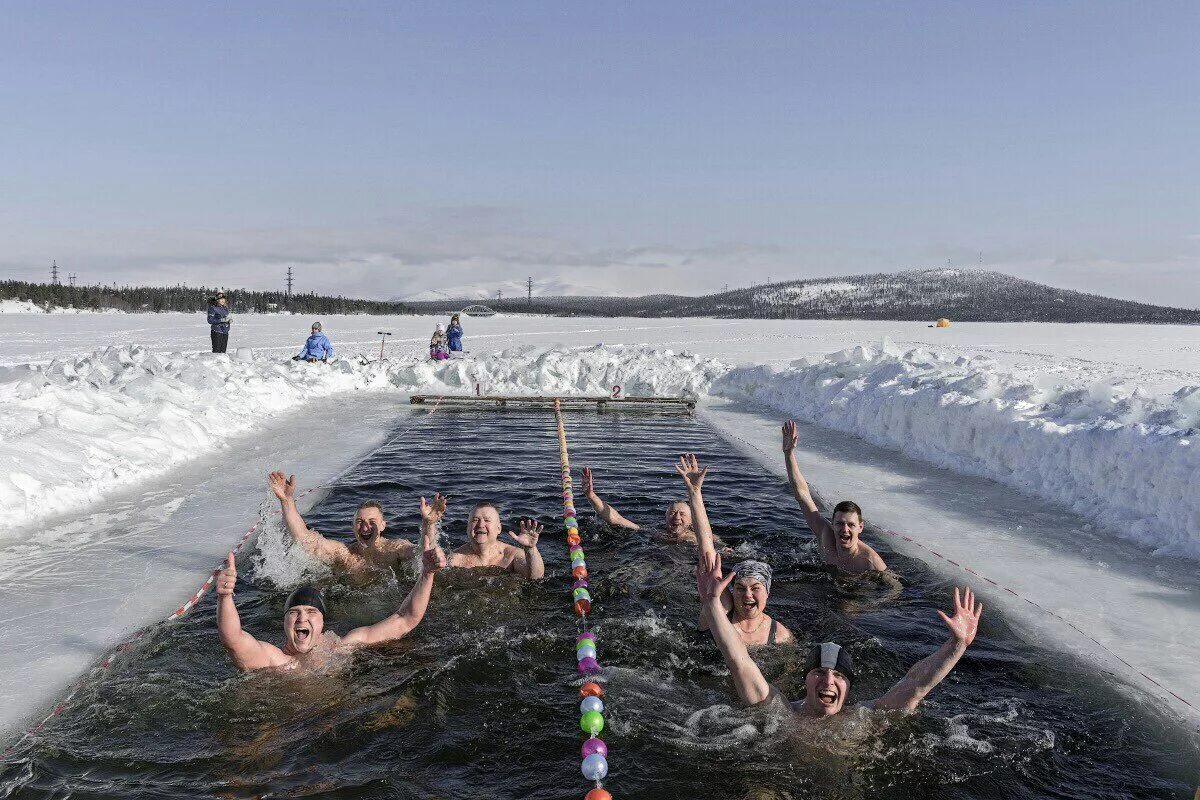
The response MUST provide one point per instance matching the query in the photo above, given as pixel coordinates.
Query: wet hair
(486, 504)
(848, 507)
(674, 503)
(369, 504)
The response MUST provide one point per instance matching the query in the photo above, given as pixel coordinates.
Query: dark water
(480, 700)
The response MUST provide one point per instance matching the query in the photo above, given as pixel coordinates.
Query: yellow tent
(943, 323)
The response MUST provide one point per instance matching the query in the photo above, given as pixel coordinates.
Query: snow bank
(11, 306)
(77, 429)
(1112, 453)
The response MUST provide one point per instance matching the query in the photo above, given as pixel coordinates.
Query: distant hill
(963, 295)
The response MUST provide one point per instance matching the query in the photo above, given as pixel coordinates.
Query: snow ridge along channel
(1112, 453)
(78, 429)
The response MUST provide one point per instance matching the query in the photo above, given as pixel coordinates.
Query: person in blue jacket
(317, 347)
(219, 318)
(454, 334)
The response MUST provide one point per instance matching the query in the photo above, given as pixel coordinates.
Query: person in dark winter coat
(219, 318)
(454, 334)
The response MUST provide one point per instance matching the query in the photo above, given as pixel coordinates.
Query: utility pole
(289, 281)
(529, 287)
(54, 273)
(497, 295)
(71, 278)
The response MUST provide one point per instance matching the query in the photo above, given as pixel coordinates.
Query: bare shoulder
(783, 635)
(876, 561)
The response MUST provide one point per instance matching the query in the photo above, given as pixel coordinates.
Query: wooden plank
(566, 401)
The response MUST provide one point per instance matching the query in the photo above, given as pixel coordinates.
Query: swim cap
(828, 655)
(316, 326)
(758, 570)
(305, 596)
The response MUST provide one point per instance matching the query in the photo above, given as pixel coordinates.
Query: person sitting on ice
(483, 547)
(829, 669)
(454, 334)
(316, 347)
(370, 550)
(838, 539)
(439, 346)
(306, 642)
(745, 603)
(679, 526)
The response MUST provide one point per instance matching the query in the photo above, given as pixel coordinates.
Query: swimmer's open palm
(588, 486)
(282, 486)
(965, 622)
(227, 578)
(709, 583)
(531, 531)
(691, 472)
(433, 511)
(789, 436)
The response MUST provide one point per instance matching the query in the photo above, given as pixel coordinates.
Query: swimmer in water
(746, 601)
(483, 547)
(679, 528)
(306, 643)
(829, 670)
(370, 550)
(838, 540)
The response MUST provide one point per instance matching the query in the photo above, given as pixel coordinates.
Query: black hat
(828, 655)
(305, 596)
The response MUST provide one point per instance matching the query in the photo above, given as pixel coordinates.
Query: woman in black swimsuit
(745, 604)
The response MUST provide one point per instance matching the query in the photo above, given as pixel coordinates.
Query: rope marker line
(1014, 593)
(192, 601)
(591, 707)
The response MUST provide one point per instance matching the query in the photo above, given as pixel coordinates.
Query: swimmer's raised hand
(531, 530)
(689, 469)
(589, 488)
(284, 488)
(789, 436)
(227, 578)
(432, 560)
(965, 622)
(432, 512)
(709, 583)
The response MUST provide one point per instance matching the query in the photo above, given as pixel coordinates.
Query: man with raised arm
(829, 670)
(679, 514)
(746, 601)
(483, 547)
(370, 550)
(838, 539)
(306, 643)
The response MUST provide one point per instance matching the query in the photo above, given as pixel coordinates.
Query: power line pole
(529, 286)
(54, 273)
(71, 278)
(497, 295)
(289, 281)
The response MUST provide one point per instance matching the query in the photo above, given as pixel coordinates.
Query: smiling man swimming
(483, 547)
(829, 670)
(306, 643)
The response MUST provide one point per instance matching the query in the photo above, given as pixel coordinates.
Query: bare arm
(528, 561)
(751, 686)
(604, 511)
(246, 652)
(411, 611)
(693, 477)
(819, 525)
(313, 543)
(930, 671)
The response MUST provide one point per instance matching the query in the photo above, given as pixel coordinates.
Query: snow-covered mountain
(512, 290)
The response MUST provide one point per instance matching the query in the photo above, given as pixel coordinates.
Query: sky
(388, 149)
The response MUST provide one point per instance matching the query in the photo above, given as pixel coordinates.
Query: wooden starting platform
(600, 403)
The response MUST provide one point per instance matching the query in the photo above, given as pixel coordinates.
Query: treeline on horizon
(188, 299)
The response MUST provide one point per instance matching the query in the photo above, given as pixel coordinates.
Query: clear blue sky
(385, 149)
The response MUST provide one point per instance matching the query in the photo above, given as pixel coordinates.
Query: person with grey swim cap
(306, 643)
(829, 671)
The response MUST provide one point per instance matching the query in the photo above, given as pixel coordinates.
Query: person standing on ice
(316, 347)
(218, 320)
(838, 539)
(829, 670)
(306, 643)
(369, 551)
(483, 547)
(745, 603)
(454, 334)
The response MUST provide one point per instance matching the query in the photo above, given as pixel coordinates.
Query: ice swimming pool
(478, 700)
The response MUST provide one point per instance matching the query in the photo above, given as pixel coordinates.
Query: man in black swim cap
(829, 670)
(306, 642)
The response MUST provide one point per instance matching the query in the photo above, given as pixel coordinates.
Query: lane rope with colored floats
(591, 705)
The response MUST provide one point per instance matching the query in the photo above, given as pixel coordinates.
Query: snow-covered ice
(1094, 427)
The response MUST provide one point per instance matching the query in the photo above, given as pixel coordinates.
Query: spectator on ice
(454, 334)
(317, 347)
(219, 318)
(439, 345)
